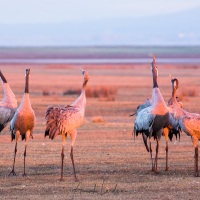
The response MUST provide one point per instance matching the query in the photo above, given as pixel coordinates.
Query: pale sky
(45, 11)
(101, 22)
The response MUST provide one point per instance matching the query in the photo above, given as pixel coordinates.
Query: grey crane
(23, 122)
(8, 105)
(154, 119)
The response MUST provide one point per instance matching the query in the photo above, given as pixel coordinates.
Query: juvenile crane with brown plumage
(65, 120)
(189, 122)
(23, 122)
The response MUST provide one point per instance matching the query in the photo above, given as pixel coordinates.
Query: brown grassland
(109, 164)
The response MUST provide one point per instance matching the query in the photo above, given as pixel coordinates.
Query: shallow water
(100, 61)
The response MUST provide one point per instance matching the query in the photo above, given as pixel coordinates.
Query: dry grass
(45, 92)
(72, 92)
(109, 164)
(98, 119)
(106, 93)
(186, 92)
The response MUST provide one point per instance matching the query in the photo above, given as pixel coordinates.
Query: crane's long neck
(9, 99)
(157, 98)
(178, 110)
(3, 77)
(26, 100)
(155, 83)
(26, 84)
(81, 100)
(154, 75)
(174, 90)
(156, 94)
(173, 93)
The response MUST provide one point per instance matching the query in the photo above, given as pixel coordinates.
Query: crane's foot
(196, 174)
(75, 179)
(12, 173)
(167, 168)
(24, 174)
(155, 171)
(62, 179)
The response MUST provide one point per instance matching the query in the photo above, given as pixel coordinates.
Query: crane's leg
(27, 140)
(64, 137)
(13, 168)
(166, 134)
(73, 135)
(156, 157)
(195, 143)
(25, 160)
(72, 158)
(145, 141)
(150, 150)
(196, 161)
(17, 134)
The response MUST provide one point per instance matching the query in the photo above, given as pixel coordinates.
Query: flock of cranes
(156, 118)
(153, 119)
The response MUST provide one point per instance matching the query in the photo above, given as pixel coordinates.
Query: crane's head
(86, 76)
(153, 66)
(27, 72)
(175, 83)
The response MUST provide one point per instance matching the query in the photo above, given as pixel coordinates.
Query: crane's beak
(83, 72)
(170, 76)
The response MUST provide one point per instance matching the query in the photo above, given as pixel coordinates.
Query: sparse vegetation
(187, 92)
(45, 93)
(98, 119)
(104, 151)
(103, 92)
(72, 92)
(106, 93)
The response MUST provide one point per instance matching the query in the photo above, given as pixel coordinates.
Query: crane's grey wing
(144, 121)
(6, 114)
(143, 106)
(174, 127)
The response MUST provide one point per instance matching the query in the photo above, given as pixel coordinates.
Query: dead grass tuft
(72, 92)
(104, 93)
(45, 93)
(98, 119)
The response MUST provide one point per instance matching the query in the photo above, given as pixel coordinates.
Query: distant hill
(168, 29)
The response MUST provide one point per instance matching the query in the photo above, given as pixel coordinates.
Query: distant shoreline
(100, 54)
(101, 61)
